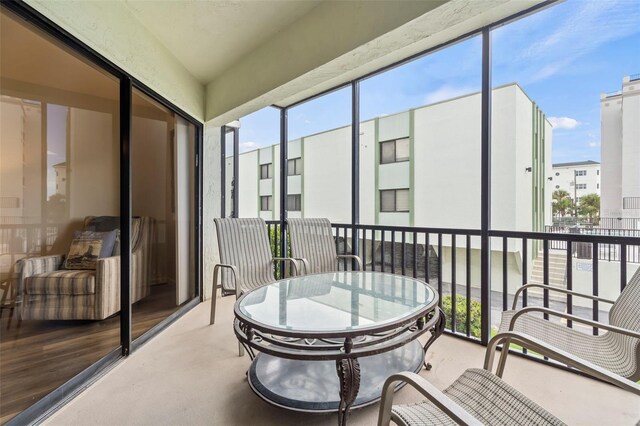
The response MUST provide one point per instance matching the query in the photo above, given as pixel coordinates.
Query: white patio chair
(613, 356)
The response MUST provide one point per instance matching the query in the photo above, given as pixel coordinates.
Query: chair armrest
(108, 285)
(354, 257)
(435, 396)
(234, 274)
(559, 290)
(305, 264)
(608, 327)
(291, 260)
(30, 266)
(543, 348)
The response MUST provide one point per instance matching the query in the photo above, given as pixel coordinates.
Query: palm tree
(562, 203)
(589, 206)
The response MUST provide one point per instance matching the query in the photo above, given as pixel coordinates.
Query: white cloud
(248, 146)
(446, 92)
(564, 122)
(593, 144)
(571, 31)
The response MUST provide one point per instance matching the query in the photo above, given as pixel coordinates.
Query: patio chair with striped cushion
(312, 244)
(613, 356)
(245, 258)
(476, 398)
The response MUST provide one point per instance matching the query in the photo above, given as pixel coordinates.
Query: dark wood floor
(38, 356)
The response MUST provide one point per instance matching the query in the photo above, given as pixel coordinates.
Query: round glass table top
(336, 301)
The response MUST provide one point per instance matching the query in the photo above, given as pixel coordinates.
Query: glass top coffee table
(362, 325)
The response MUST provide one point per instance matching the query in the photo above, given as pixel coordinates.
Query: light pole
(575, 194)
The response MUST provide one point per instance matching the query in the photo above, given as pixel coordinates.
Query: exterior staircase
(557, 274)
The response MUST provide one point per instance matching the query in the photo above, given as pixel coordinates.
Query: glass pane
(259, 147)
(59, 166)
(324, 302)
(163, 178)
(402, 149)
(291, 168)
(387, 152)
(420, 105)
(402, 200)
(387, 201)
(320, 141)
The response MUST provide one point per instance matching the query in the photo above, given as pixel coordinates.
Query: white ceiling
(207, 37)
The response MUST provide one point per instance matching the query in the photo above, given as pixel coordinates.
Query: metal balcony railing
(449, 259)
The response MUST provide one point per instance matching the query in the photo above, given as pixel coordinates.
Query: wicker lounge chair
(245, 258)
(312, 244)
(613, 356)
(475, 398)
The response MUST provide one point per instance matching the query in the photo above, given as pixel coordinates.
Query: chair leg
(503, 358)
(240, 350)
(214, 295)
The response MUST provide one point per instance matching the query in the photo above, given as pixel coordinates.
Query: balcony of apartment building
(423, 131)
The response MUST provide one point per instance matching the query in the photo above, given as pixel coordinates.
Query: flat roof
(577, 163)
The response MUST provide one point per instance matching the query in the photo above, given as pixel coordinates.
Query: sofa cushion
(62, 282)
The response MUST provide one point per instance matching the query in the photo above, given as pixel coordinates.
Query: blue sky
(562, 57)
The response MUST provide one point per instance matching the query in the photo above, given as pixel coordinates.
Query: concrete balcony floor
(191, 375)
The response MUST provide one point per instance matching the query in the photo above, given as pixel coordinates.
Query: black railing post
(283, 182)
(355, 169)
(485, 213)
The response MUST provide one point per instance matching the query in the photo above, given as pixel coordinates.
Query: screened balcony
(430, 140)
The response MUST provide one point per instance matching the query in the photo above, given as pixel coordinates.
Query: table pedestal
(313, 386)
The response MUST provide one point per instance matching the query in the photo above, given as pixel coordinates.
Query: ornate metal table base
(314, 386)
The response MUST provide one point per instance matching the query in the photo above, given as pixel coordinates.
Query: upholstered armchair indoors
(50, 292)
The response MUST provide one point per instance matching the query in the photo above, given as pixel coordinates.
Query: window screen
(294, 166)
(387, 201)
(402, 149)
(265, 171)
(265, 203)
(294, 203)
(402, 200)
(387, 152)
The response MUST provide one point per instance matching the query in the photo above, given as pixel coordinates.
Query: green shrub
(461, 315)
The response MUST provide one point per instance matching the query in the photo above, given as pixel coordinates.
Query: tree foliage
(589, 206)
(562, 203)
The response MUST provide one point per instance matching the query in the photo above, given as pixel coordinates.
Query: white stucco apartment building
(620, 152)
(419, 167)
(577, 178)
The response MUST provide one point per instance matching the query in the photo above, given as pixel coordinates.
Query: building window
(571, 183)
(597, 185)
(598, 172)
(266, 204)
(581, 172)
(394, 200)
(265, 171)
(394, 151)
(557, 186)
(294, 203)
(581, 186)
(294, 167)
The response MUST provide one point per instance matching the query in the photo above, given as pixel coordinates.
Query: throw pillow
(87, 247)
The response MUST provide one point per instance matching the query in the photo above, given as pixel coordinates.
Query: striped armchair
(312, 244)
(51, 293)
